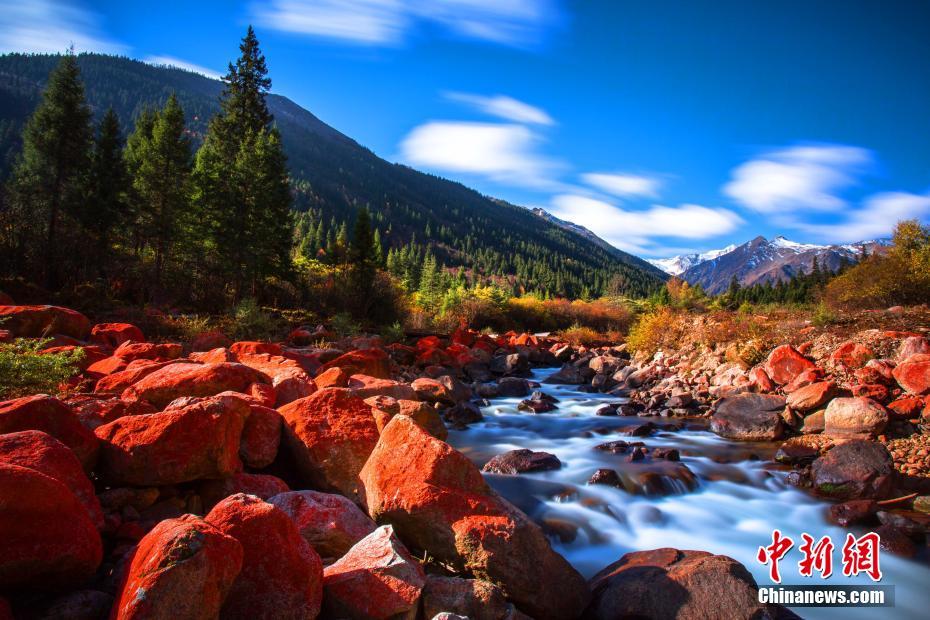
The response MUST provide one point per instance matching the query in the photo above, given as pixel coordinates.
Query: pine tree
(49, 185)
(160, 158)
(244, 212)
(106, 208)
(363, 262)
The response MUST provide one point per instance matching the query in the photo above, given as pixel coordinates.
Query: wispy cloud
(518, 23)
(874, 220)
(624, 185)
(798, 178)
(183, 64)
(501, 152)
(49, 26)
(503, 107)
(636, 231)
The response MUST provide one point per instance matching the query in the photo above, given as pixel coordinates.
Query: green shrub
(824, 316)
(343, 325)
(251, 321)
(393, 333)
(25, 370)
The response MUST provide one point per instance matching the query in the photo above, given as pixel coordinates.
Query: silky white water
(740, 499)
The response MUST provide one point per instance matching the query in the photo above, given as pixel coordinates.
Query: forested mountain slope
(333, 176)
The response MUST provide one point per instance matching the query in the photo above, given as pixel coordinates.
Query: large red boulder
(668, 583)
(50, 415)
(39, 321)
(262, 486)
(384, 408)
(47, 455)
(439, 503)
(472, 598)
(857, 469)
(191, 443)
(371, 362)
(377, 579)
(333, 377)
(331, 523)
(289, 379)
(364, 387)
(330, 435)
(95, 410)
(261, 437)
(183, 568)
(133, 372)
(785, 363)
(913, 374)
(250, 347)
(183, 379)
(47, 538)
(130, 351)
(851, 355)
(114, 334)
(282, 576)
(813, 396)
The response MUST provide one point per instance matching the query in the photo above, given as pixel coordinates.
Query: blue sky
(664, 126)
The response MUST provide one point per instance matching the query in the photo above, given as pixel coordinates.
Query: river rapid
(740, 495)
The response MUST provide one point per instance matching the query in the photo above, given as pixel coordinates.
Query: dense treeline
(333, 179)
(151, 220)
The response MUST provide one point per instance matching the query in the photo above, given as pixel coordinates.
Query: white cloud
(504, 107)
(389, 22)
(798, 178)
(501, 152)
(623, 185)
(51, 26)
(874, 220)
(635, 231)
(183, 64)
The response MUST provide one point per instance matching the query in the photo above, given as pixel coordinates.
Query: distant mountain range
(334, 176)
(761, 260)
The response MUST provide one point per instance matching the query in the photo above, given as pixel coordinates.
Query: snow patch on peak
(786, 244)
(677, 265)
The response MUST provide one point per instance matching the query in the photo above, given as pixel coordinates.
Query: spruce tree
(49, 185)
(241, 183)
(160, 158)
(106, 208)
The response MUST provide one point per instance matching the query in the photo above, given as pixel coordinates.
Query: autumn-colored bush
(663, 328)
(578, 335)
(899, 277)
(535, 314)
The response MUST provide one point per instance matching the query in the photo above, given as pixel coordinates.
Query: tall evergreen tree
(106, 208)
(49, 185)
(160, 158)
(244, 212)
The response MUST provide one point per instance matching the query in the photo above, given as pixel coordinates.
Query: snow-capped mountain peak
(786, 244)
(677, 265)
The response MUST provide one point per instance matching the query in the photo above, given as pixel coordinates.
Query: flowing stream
(739, 499)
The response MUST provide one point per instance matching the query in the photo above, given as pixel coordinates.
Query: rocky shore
(311, 477)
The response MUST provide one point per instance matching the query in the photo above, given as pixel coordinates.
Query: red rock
(812, 396)
(785, 363)
(854, 417)
(40, 321)
(851, 355)
(907, 407)
(47, 539)
(875, 391)
(212, 339)
(45, 454)
(118, 381)
(264, 394)
(464, 337)
(433, 357)
(106, 366)
(183, 379)
(384, 408)
(428, 342)
(377, 579)
(300, 337)
(89, 354)
(255, 348)
(50, 415)
(760, 381)
(261, 437)
(94, 410)
(668, 583)
(364, 387)
(334, 377)
(913, 374)
(469, 598)
(289, 380)
(195, 442)
(811, 375)
(371, 362)
(264, 486)
(214, 356)
(331, 523)
(130, 351)
(438, 502)
(114, 334)
(183, 568)
(432, 390)
(281, 576)
(913, 345)
(330, 435)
